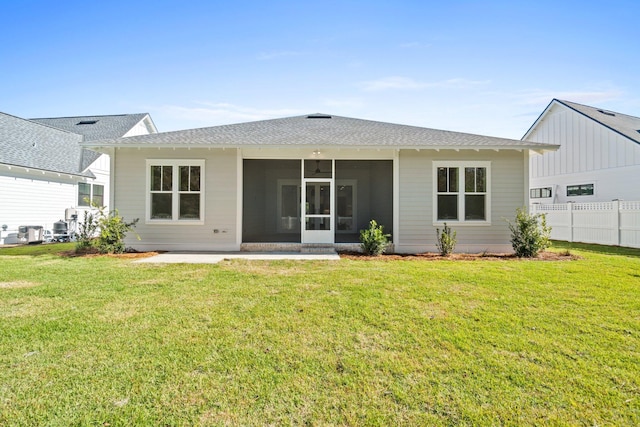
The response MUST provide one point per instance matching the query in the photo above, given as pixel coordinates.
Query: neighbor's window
(175, 190)
(84, 194)
(98, 195)
(580, 190)
(461, 191)
(90, 192)
(539, 193)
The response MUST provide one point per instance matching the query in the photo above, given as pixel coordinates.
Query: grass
(105, 341)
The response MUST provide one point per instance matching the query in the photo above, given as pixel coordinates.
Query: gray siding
(417, 229)
(220, 200)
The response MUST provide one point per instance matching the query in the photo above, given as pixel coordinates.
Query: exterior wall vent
(318, 116)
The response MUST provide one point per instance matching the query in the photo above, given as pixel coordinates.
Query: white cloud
(407, 83)
(589, 97)
(266, 56)
(344, 103)
(411, 45)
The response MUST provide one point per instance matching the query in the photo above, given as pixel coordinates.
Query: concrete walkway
(216, 257)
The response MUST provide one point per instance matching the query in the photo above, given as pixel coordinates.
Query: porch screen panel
(271, 201)
(364, 191)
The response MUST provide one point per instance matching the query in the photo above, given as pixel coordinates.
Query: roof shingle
(95, 127)
(624, 124)
(316, 130)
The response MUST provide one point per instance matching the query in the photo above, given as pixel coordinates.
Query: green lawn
(106, 342)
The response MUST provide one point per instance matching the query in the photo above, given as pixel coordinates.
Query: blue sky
(480, 67)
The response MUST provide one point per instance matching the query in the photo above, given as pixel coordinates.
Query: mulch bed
(93, 253)
(429, 256)
(543, 256)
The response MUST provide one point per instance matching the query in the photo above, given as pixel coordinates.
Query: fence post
(616, 222)
(570, 216)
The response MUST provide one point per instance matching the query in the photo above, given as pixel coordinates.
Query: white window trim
(92, 186)
(461, 207)
(175, 163)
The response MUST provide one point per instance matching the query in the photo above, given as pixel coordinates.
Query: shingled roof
(317, 130)
(53, 144)
(623, 124)
(33, 145)
(95, 127)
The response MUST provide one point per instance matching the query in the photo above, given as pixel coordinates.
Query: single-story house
(598, 158)
(317, 179)
(44, 172)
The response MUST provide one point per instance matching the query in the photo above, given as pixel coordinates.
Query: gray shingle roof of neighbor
(53, 144)
(95, 127)
(317, 130)
(623, 124)
(33, 145)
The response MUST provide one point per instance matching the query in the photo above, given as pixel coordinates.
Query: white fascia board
(541, 118)
(105, 147)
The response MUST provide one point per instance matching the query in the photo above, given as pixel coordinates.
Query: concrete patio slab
(216, 257)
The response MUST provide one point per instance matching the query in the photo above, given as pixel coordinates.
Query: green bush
(446, 241)
(86, 232)
(529, 234)
(373, 241)
(112, 231)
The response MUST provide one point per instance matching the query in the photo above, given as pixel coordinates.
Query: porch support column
(396, 198)
(239, 195)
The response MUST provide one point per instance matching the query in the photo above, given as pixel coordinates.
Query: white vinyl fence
(607, 223)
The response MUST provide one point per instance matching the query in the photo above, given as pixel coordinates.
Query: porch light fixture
(316, 152)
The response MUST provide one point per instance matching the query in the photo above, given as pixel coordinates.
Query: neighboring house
(598, 159)
(44, 170)
(317, 179)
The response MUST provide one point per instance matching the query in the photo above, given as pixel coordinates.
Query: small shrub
(446, 241)
(113, 229)
(86, 232)
(110, 228)
(529, 234)
(373, 241)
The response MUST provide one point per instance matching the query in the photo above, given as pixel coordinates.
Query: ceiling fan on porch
(318, 170)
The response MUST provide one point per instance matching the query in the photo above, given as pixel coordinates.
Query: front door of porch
(318, 202)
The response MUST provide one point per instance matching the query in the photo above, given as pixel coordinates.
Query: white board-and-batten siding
(589, 153)
(416, 223)
(220, 201)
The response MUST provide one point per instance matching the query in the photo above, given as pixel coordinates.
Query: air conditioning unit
(30, 233)
(70, 214)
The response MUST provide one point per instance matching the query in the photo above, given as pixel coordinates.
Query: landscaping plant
(530, 234)
(446, 241)
(373, 241)
(111, 227)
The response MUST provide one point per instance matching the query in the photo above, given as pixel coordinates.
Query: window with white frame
(88, 193)
(175, 190)
(462, 192)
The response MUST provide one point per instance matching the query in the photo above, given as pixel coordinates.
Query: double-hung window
(175, 191)
(461, 192)
(90, 193)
